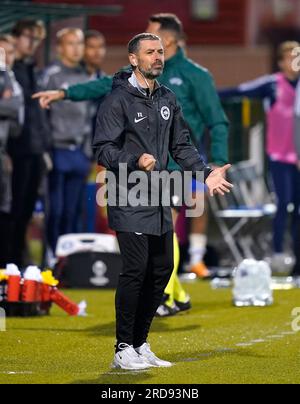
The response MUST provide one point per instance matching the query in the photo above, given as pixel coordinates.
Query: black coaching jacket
(129, 124)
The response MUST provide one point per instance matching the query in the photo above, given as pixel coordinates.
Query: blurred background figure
(94, 53)
(296, 271)
(278, 93)
(197, 95)
(26, 151)
(70, 126)
(11, 120)
(93, 60)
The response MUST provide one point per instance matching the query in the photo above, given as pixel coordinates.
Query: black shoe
(184, 306)
(166, 311)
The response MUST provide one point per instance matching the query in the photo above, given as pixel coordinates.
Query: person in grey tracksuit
(70, 125)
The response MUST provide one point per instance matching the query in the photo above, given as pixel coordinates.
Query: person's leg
(72, 193)
(160, 268)
(74, 185)
(5, 211)
(56, 200)
(170, 289)
(27, 176)
(174, 287)
(174, 290)
(198, 232)
(135, 252)
(5, 221)
(296, 222)
(282, 179)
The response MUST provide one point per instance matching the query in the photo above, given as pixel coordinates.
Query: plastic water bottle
(263, 291)
(252, 284)
(242, 290)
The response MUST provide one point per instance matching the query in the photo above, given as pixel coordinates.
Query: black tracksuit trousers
(147, 268)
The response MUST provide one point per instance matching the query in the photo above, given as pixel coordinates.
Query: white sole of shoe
(118, 366)
(161, 366)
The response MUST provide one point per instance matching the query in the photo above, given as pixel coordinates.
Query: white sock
(197, 248)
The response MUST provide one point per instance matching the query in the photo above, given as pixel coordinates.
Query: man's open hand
(146, 162)
(216, 181)
(47, 97)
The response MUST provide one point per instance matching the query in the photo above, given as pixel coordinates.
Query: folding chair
(239, 214)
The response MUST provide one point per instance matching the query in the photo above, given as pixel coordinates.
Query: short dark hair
(134, 43)
(168, 22)
(92, 33)
(29, 24)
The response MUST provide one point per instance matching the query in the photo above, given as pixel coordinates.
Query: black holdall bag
(88, 261)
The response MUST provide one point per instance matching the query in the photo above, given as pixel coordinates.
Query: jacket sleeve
(91, 90)
(297, 135)
(9, 107)
(109, 136)
(297, 121)
(181, 148)
(259, 88)
(211, 110)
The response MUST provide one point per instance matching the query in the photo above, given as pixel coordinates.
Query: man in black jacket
(28, 149)
(139, 124)
(11, 120)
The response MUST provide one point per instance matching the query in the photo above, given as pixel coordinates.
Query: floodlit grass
(213, 343)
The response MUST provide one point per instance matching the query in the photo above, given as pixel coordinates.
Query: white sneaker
(127, 358)
(150, 358)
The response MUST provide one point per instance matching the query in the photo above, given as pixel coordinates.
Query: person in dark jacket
(11, 120)
(26, 151)
(139, 123)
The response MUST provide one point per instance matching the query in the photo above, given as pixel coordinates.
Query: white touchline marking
(261, 340)
(189, 360)
(205, 355)
(16, 373)
(224, 350)
(275, 336)
(244, 344)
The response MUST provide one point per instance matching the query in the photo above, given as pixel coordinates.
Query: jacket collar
(135, 83)
(178, 57)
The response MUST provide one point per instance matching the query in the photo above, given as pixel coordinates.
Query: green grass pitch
(213, 343)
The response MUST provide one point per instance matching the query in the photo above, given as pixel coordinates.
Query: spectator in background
(11, 119)
(94, 53)
(70, 126)
(27, 151)
(296, 271)
(278, 92)
(94, 56)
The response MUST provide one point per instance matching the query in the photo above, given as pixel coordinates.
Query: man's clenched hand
(146, 162)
